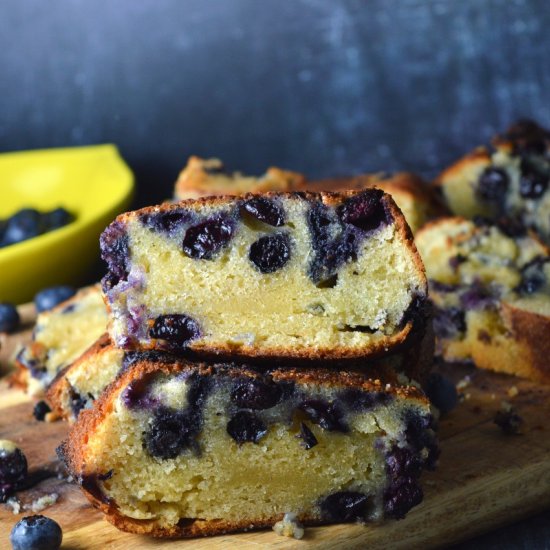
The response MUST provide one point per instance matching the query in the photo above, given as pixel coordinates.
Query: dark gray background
(327, 87)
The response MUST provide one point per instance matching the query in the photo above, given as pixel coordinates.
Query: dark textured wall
(323, 86)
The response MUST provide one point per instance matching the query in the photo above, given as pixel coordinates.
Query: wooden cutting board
(485, 478)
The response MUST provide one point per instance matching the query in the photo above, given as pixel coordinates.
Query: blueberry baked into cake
(302, 275)
(491, 293)
(60, 336)
(508, 183)
(182, 449)
(206, 177)
(417, 199)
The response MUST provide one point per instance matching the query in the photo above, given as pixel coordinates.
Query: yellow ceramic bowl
(93, 183)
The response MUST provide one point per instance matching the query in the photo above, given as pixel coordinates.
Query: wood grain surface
(485, 478)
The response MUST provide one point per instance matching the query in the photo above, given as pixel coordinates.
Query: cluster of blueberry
(29, 222)
(31, 532)
(45, 300)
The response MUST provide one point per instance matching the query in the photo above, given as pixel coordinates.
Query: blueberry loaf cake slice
(491, 294)
(206, 177)
(59, 337)
(302, 275)
(185, 449)
(508, 183)
(417, 199)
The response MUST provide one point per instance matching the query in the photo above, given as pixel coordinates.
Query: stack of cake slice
(263, 350)
(489, 266)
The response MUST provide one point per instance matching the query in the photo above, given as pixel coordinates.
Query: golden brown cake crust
(531, 331)
(410, 333)
(72, 450)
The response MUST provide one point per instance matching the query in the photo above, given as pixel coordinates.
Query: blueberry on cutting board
(36, 533)
(9, 318)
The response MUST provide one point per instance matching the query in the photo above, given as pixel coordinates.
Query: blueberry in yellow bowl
(54, 203)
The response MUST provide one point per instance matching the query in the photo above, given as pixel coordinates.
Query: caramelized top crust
(326, 197)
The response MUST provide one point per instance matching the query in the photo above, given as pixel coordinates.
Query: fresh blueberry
(493, 184)
(49, 297)
(308, 438)
(36, 533)
(326, 415)
(13, 469)
(270, 253)
(2, 229)
(255, 394)
(345, 506)
(176, 329)
(203, 240)
(441, 392)
(41, 409)
(400, 497)
(56, 218)
(265, 210)
(9, 318)
(246, 427)
(23, 225)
